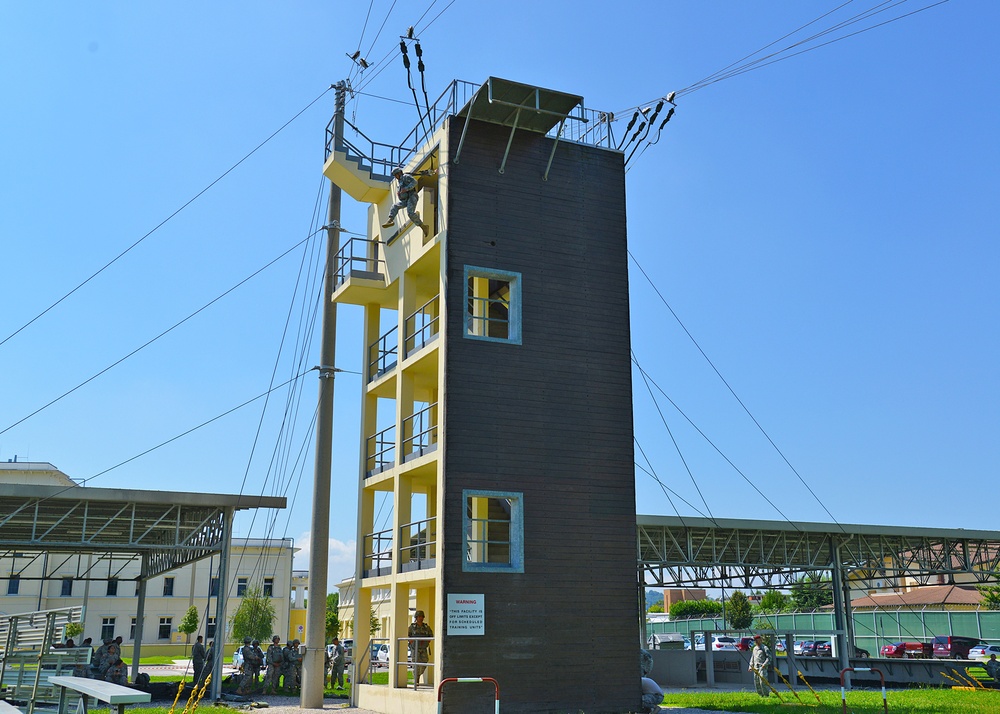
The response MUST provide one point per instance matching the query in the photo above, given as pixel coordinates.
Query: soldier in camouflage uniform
(117, 671)
(258, 661)
(248, 659)
(111, 655)
(98, 658)
(288, 656)
(420, 648)
(274, 658)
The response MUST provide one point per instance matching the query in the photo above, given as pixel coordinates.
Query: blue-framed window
(494, 531)
(493, 305)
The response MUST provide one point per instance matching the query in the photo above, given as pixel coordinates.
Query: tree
(695, 608)
(332, 616)
(72, 630)
(773, 601)
(656, 606)
(254, 618)
(373, 623)
(991, 596)
(189, 624)
(739, 614)
(812, 591)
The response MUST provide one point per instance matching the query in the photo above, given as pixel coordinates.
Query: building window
(67, 588)
(107, 628)
(210, 628)
(166, 624)
(494, 531)
(213, 588)
(113, 587)
(268, 587)
(241, 587)
(168, 587)
(14, 584)
(131, 630)
(493, 305)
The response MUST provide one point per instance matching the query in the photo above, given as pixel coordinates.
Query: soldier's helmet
(246, 640)
(276, 639)
(255, 643)
(398, 171)
(296, 643)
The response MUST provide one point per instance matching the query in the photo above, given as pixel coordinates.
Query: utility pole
(313, 663)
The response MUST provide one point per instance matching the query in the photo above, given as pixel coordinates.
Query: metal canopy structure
(167, 529)
(676, 551)
(501, 101)
(164, 529)
(520, 106)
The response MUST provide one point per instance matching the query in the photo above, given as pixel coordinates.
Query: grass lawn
(915, 701)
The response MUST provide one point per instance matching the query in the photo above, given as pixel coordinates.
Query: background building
(105, 585)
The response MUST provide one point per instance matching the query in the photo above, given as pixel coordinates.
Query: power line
(164, 221)
(154, 339)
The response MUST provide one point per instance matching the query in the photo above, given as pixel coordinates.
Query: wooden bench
(113, 694)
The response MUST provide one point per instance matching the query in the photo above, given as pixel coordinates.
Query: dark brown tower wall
(550, 418)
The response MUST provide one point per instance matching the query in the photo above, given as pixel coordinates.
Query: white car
(238, 657)
(719, 643)
(983, 652)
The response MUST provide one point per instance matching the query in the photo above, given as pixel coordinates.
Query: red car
(744, 643)
(911, 650)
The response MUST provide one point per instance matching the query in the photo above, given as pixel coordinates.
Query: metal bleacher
(27, 658)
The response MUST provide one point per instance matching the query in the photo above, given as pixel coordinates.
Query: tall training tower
(497, 405)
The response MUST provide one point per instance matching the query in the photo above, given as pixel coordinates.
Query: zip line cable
(720, 72)
(651, 472)
(736, 68)
(164, 221)
(677, 446)
(733, 392)
(713, 445)
(757, 64)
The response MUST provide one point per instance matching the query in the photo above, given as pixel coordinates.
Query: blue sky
(825, 227)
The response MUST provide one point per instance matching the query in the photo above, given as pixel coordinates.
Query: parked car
(723, 642)
(809, 648)
(823, 649)
(745, 643)
(238, 658)
(953, 646)
(797, 647)
(983, 651)
(380, 654)
(912, 650)
(719, 642)
(779, 646)
(348, 650)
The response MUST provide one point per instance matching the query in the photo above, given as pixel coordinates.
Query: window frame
(108, 622)
(167, 622)
(112, 590)
(168, 587)
(242, 583)
(66, 587)
(516, 544)
(14, 584)
(514, 306)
